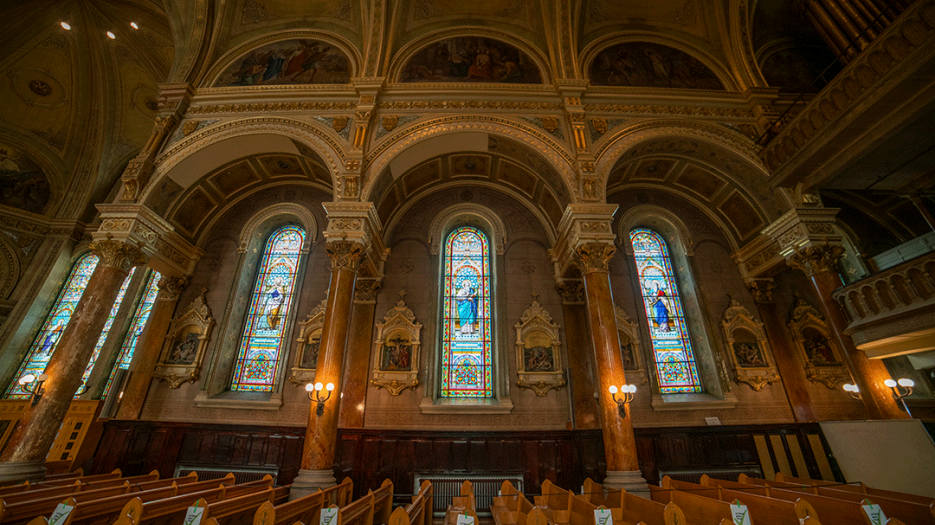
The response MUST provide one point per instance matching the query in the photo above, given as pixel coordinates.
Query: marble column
(587, 412)
(148, 347)
(819, 263)
(623, 468)
(27, 449)
(321, 434)
(790, 369)
(359, 346)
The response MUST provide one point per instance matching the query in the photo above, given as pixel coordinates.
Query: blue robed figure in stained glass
(467, 307)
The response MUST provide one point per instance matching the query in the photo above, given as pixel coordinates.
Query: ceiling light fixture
(111, 35)
(66, 26)
(134, 26)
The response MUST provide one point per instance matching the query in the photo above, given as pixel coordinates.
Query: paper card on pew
(739, 513)
(194, 515)
(603, 517)
(60, 514)
(464, 519)
(328, 516)
(874, 512)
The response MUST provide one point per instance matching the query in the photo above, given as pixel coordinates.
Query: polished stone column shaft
(148, 347)
(33, 438)
(359, 345)
(587, 412)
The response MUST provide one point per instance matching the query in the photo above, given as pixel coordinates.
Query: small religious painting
(471, 59)
(310, 354)
(818, 349)
(23, 184)
(749, 354)
(641, 64)
(397, 355)
(298, 61)
(184, 350)
(538, 359)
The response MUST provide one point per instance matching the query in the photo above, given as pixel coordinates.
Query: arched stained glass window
(107, 325)
(466, 361)
(267, 318)
(675, 363)
(46, 340)
(140, 317)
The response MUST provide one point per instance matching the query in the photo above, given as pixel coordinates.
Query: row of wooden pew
(715, 502)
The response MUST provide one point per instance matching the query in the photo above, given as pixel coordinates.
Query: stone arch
(9, 268)
(300, 213)
(402, 139)
(459, 212)
(659, 219)
(214, 146)
(740, 26)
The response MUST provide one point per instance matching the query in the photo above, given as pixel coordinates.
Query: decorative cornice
(803, 226)
(582, 224)
(138, 225)
(358, 222)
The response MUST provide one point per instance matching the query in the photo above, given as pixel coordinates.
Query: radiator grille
(447, 486)
(241, 475)
(694, 475)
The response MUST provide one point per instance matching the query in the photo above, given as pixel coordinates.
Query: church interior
(528, 244)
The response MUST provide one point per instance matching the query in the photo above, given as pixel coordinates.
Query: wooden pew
(199, 486)
(242, 509)
(625, 507)
(511, 507)
(168, 511)
(420, 510)
(39, 493)
(56, 468)
(462, 504)
(106, 510)
(359, 512)
(77, 473)
(906, 511)
(859, 487)
(24, 511)
(15, 489)
(306, 509)
(700, 506)
(192, 477)
(340, 494)
(764, 510)
(57, 482)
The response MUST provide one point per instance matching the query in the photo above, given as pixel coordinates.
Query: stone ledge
(464, 406)
(692, 402)
(242, 401)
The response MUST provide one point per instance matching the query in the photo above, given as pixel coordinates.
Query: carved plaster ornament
(599, 125)
(339, 123)
(184, 348)
(630, 348)
(813, 343)
(307, 345)
(389, 123)
(190, 126)
(538, 351)
(397, 349)
(750, 355)
(550, 124)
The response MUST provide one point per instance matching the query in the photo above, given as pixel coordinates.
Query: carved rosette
(762, 290)
(345, 255)
(814, 260)
(594, 257)
(572, 291)
(118, 255)
(171, 287)
(748, 347)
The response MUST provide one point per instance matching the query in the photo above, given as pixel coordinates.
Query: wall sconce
(316, 388)
(901, 389)
(852, 389)
(36, 390)
(627, 392)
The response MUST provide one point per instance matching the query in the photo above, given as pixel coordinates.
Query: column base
(23, 470)
(309, 481)
(629, 480)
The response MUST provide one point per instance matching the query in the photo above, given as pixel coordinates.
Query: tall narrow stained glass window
(46, 340)
(466, 359)
(267, 317)
(675, 363)
(137, 324)
(106, 331)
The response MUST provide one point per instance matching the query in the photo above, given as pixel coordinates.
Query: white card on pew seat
(739, 513)
(464, 519)
(194, 515)
(60, 514)
(328, 516)
(874, 512)
(603, 517)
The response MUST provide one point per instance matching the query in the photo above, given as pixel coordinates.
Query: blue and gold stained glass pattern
(44, 345)
(106, 331)
(466, 359)
(267, 318)
(675, 363)
(140, 317)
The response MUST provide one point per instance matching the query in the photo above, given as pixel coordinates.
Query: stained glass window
(267, 318)
(675, 363)
(466, 360)
(140, 317)
(44, 345)
(106, 331)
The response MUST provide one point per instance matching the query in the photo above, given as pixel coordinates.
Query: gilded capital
(816, 259)
(345, 255)
(171, 287)
(118, 255)
(572, 291)
(366, 291)
(594, 257)
(762, 290)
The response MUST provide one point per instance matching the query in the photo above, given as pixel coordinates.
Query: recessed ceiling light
(111, 35)
(66, 26)
(134, 26)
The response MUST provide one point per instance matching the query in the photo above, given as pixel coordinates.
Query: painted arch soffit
(656, 63)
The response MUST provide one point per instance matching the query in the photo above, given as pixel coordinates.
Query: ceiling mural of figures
(298, 61)
(471, 59)
(23, 185)
(641, 64)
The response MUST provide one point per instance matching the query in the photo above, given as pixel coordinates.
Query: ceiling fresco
(642, 64)
(298, 61)
(23, 185)
(471, 59)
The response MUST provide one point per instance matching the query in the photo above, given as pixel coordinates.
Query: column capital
(358, 223)
(345, 254)
(581, 224)
(803, 226)
(762, 290)
(594, 257)
(171, 287)
(365, 291)
(118, 255)
(138, 225)
(572, 290)
(814, 260)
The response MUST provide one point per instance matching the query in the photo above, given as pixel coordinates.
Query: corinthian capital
(572, 291)
(816, 259)
(594, 257)
(762, 290)
(118, 255)
(345, 255)
(171, 287)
